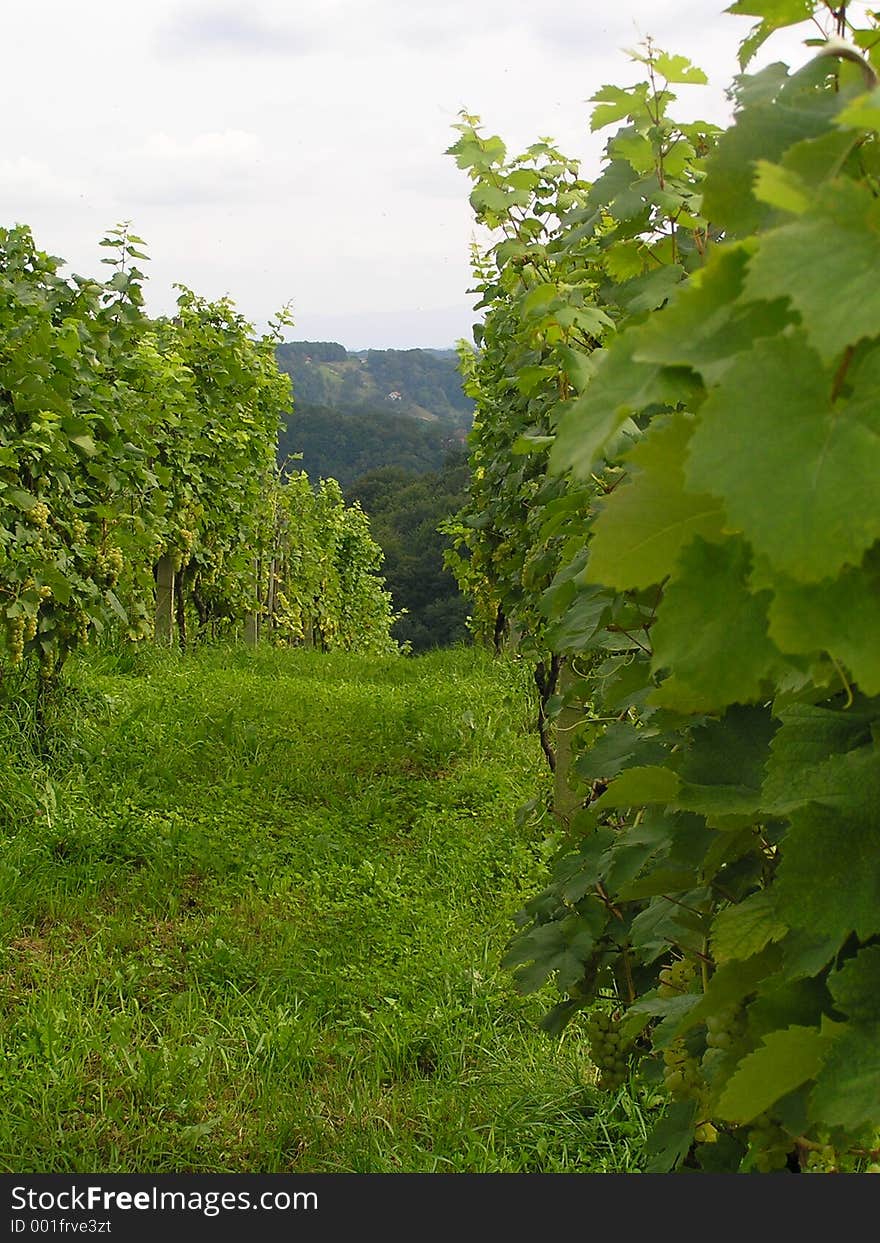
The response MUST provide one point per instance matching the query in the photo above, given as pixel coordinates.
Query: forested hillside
(424, 384)
(342, 444)
(406, 512)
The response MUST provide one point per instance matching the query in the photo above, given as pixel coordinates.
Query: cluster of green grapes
(725, 1028)
(182, 554)
(609, 1050)
(78, 531)
(769, 1145)
(39, 515)
(822, 1161)
(15, 638)
(109, 562)
(676, 978)
(682, 1075)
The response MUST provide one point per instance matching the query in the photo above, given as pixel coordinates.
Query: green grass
(253, 908)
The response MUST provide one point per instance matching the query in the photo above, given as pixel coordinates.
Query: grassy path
(251, 922)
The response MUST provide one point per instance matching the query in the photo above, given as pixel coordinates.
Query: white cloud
(26, 182)
(222, 166)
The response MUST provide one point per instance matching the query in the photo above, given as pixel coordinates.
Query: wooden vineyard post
(164, 619)
(252, 619)
(565, 800)
(270, 595)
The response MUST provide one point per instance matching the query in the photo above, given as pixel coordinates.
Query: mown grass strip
(253, 910)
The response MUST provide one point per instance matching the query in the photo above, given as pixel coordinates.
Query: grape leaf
(561, 946)
(776, 113)
(774, 15)
(796, 260)
(819, 460)
(671, 1138)
(847, 1091)
(609, 754)
(619, 387)
(743, 930)
(636, 786)
(856, 986)
(839, 616)
(804, 759)
(862, 112)
(781, 188)
(644, 524)
(731, 982)
(828, 882)
(722, 769)
(711, 632)
(784, 1061)
(707, 324)
(677, 69)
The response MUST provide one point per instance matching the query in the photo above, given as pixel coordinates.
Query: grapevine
(675, 457)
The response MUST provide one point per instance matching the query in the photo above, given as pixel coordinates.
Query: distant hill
(342, 444)
(421, 384)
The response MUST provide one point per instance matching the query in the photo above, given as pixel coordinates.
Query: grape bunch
(682, 1076)
(676, 978)
(39, 515)
(609, 1050)
(109, 563)
(15, 635)
(822, 1161)
(769, 1145)
(725, 1028)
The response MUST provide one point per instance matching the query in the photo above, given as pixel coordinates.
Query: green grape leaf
(663, 923)
(621, 741)
(780, 187)
(650, 291)
(777, 112)
(614, 103)
(580, 621)
(708, 324)
(796, 260)
(781, 1002)
(862, 112)
(619, 388)
(677, 69)
(731, 982)
(671, 1139)
(839, 616)
(774, 15)
(730, 751)
(86, 444)
(711, 632)
(784, 1061)
(637, 786)
(819, 460)
(808, 737)
(579, 367)
(743, 930)
(847, 1091)
(644, 524)
(561, 947)
(828, 882)
(856, 986)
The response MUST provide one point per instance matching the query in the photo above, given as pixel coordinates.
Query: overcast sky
(278, 150)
